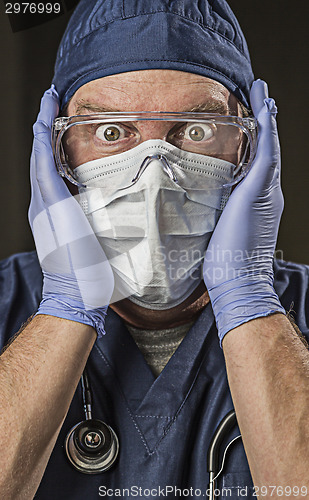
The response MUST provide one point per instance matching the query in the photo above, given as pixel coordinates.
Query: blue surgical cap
(105, 37)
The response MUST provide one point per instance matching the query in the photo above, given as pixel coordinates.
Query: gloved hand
(78, 280)
(238, 265)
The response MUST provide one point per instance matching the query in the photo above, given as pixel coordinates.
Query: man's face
(155, 90)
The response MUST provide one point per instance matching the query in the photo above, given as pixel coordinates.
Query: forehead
(153, 90)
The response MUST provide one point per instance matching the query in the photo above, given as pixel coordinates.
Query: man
(97, 234)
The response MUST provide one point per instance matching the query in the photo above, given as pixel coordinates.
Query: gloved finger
(268, 148)
(265, 112)
(43, 169)
(49, 107)
(267, 159)
(258, 92)
(36, 202)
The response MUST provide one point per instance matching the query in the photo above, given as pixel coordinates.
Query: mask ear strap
(67, 173)
(226, 191)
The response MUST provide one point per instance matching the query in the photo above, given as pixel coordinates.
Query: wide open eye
(110, 132)
(198, 132)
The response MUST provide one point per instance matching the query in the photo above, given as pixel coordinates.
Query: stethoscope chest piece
(92, 446)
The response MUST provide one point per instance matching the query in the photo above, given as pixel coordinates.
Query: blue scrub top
(164, 424)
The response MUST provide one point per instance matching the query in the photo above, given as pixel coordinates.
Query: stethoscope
(213, 468)
(92, 446)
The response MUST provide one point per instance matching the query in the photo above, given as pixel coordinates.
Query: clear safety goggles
(80, 139)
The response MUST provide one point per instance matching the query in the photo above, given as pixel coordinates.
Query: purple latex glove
(238, 265)
(78, 280)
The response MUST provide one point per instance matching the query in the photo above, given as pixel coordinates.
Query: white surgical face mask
(155, 230)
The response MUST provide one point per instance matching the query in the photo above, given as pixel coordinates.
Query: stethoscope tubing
(224, 427)
(88, 463)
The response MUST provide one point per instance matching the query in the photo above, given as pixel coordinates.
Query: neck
(150, 319)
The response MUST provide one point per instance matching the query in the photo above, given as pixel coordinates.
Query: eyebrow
(94, 108)
(219, 107)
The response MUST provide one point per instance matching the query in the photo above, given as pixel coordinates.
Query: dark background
(277, 36)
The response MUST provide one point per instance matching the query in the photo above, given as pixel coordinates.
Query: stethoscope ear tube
(226, 424)
(224, 427)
